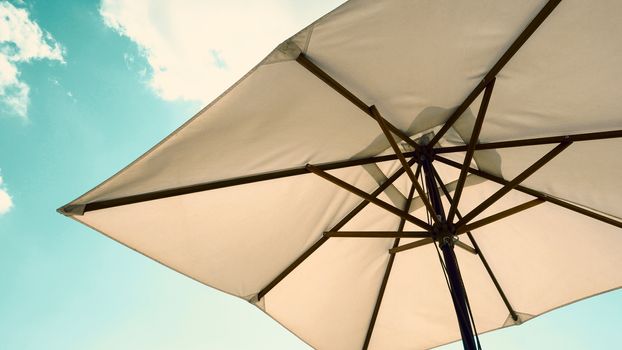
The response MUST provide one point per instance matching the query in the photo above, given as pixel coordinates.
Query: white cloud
(6, 202)
(21, 40)
(197, 48)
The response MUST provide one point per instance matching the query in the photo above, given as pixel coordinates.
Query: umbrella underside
(348, 229)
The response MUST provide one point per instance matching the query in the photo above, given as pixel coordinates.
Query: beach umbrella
(398, 175)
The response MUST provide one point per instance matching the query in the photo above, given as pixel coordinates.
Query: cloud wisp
(195, 49)
(21, 41)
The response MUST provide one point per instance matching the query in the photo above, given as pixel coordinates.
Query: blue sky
(85, 88)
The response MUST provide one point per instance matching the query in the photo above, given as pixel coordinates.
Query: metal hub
(444, 233)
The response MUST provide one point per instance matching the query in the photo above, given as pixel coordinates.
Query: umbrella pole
(444, 234)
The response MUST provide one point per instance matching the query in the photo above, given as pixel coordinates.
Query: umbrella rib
(387, 272)
(291, 267)
(335, 85)
(479, 252)
(387, 133)
(535, 141)
(411, 245)
(179, 191)
(337, 227)
(471, 149)
(535, 193)
(515, 182)
(382, 204)
(498, 216)
(505, 58)
(482, 258)
(377, 234)
(466, 247)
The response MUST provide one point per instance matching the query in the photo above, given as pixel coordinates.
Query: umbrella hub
(445, 233)
(425, 154)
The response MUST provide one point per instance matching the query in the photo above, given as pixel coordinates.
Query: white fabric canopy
(416, 61)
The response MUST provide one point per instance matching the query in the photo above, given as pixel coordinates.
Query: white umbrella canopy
(393, 103)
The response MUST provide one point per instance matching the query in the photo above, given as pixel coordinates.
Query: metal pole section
(444, 233)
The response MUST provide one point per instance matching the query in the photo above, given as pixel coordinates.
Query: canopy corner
(72, 209)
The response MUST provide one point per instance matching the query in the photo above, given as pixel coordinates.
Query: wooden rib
(323, 239)
(543, 196)
(465, 247)
(592, 136)
(335, 85)
(515, 182)
(179, 191)
(499, 216)
(377, 234)
(382, 204)
(412, 245)
(477, 127)
(505, 58)
(291, 267)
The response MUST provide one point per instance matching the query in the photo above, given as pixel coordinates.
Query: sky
(88, 86)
